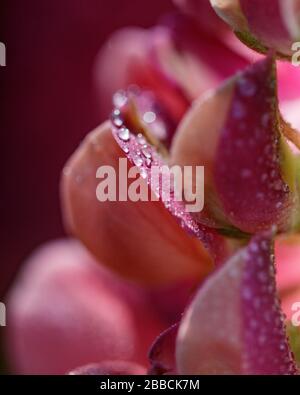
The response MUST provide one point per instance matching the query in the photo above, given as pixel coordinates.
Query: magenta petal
(235, 324)
(249, 160)
(162, 352)
(266, 23)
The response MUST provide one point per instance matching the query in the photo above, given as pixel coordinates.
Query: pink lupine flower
(263, 25)
(232, 117)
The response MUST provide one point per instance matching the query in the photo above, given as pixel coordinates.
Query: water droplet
(119, 99)
(124, 134)
(264, 177)
(247, 87)
(149, 117)
(277, 185)
(254, 247)
(238, 110)
(246, 173)
(262, 276)
(137, 160)
(246, 293)
(265, 120)
(260, 195)
(143, 172)
(141, 139)
(117, 118)
(147, 153)
(262, 339)
(273, 174)
(67, 170)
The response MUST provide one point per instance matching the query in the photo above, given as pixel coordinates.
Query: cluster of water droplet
(144, 156)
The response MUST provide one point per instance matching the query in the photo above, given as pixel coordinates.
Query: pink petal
(122, 233)
(287, 252)
(235, 325)
(177, 60)
(134, 146)
(266, 24)
(255, 165)
(66, 311)
(110, 368)
(162, 352)
(271, 24)
(288, 82)
(127, 59)
(291, 304)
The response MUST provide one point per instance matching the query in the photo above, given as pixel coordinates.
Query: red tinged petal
(235, 325)
(263, 25)
(107, 368)
(65, 311)
(162, 352)
(145, 156)
(128, 58)
(140, 240)
(178, 60)
(250, 172)
(196, 142)
(266, 24)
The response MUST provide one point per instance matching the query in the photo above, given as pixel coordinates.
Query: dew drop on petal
(141, 139)
(117, 118)
(247, 87)
(143, 173)
(238, 110)
(137, 160)
(246, 173)
(149, 117)
(124, 134)
(119, 99)
(147, 153)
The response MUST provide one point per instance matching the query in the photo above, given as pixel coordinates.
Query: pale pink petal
(235, 324)
(65, 311)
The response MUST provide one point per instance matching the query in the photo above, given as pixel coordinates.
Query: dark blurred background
(48, 103)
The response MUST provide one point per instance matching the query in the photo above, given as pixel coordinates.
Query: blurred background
(48, 104)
